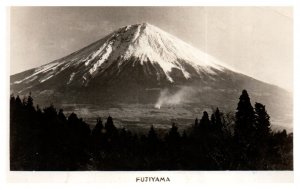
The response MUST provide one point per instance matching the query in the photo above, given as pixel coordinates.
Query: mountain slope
(142, 44)
(134, 64)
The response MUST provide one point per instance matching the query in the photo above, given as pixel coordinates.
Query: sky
(256, 41)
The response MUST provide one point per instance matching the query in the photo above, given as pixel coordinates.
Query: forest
(45, 139)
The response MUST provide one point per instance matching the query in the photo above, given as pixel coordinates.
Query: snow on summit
(142, 64)
(143, 43)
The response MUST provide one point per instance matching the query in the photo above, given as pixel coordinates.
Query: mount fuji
(137, 64)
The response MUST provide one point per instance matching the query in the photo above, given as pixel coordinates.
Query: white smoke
(182, 95)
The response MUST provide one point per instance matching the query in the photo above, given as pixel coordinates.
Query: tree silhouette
(61, 116)
(262, 120)
(173, 137)
(213, 120)
(205, 122)
(152, 135)
(244, 128)
(218, 116)
(29, 103)
(47, 139)
(18, 102)
(110, 127)
(98, 138)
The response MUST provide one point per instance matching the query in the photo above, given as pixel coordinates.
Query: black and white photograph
(150, 90)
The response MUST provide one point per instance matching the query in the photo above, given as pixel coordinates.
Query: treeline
(48, 140)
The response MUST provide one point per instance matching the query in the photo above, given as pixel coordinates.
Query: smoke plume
(168, 98)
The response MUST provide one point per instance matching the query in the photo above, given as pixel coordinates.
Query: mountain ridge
(125, 64)
(144, 43)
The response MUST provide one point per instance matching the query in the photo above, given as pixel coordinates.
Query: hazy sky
(257, 41)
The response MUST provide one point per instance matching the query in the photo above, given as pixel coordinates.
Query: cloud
(182, 95)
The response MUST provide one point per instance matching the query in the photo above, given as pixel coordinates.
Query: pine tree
(173, 135)
(152, 144)
(12, 105)
(245, 134)
(98, 133)
(99, 125)
(12, 100)
(18, 102)
(244, 117)
(205, 122)
(213, 120)
(24, 101)
(262, 120)
(110, 127)
(61, 115)
(262, 125)
(218, 117)
(29, 104)
(97, 136)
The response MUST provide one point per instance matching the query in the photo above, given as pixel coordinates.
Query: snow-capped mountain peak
(143, 43)
(149, 43)
(135, 65)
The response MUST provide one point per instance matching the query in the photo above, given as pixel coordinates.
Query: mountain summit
(158, 52)
(136, 64)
